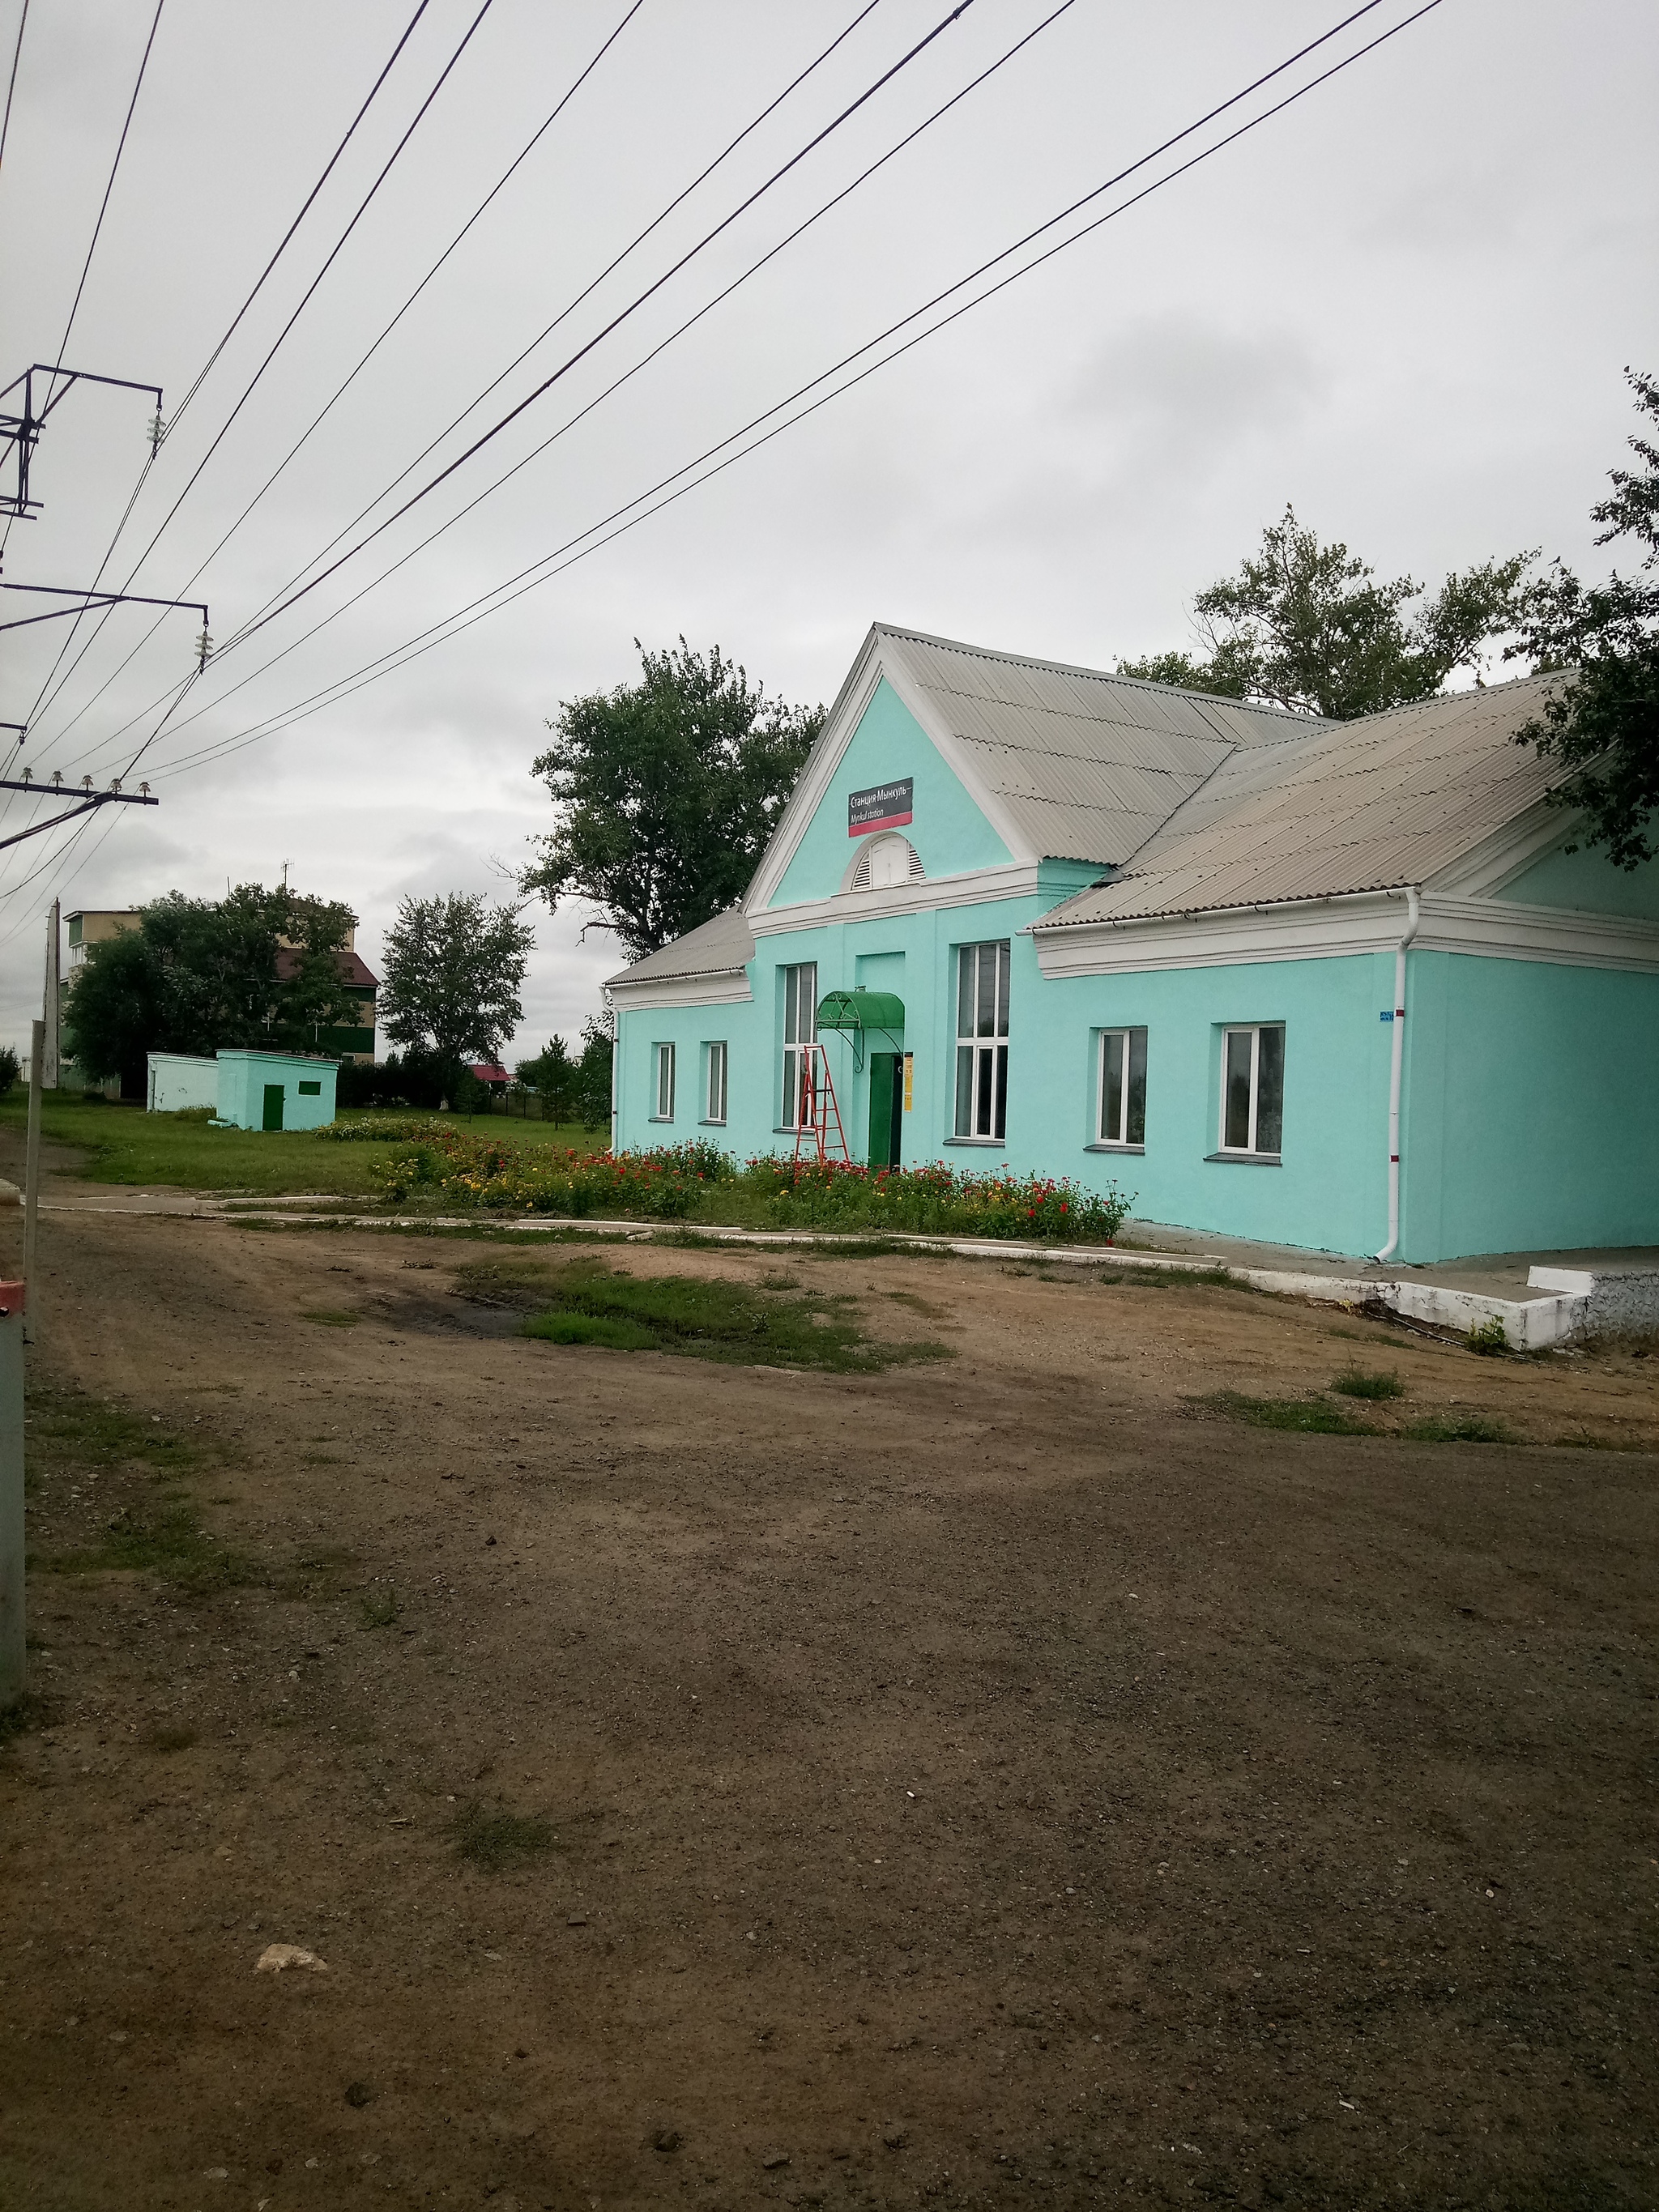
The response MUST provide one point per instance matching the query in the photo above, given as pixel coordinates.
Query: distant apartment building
(92, 926)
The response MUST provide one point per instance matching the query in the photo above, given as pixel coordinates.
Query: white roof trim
(881, 655)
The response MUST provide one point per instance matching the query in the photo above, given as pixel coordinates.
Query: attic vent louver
(886, 862)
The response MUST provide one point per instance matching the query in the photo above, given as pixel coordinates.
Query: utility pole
(53, 1003)
(14, 1651)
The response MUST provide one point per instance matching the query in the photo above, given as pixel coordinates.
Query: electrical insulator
(86, 783)
(115, 783)
(203, 649)
(158, 430)
(58, 779)
(143, 790)
(28, 775)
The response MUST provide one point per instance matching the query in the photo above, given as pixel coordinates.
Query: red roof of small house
(487, 1071)
(354, 969)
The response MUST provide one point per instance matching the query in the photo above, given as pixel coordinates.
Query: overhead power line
(867, 9)
(305, 297)
(11, 81)
(42, 700)
(45, 699)
(661, 494)
(120, 149)
(619, 319)
(286, 239)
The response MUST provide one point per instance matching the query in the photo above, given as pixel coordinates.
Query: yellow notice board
(909, 1080)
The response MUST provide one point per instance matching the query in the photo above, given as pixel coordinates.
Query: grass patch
(170, 1542)
(98, 1433)
(1356, 1383)
(125, 1145)
(1165, 1279)
(330, 1317)
(588, 1303)
(1307, 1417)
(496, 1841)
(382, 1608)
(1465, 1429)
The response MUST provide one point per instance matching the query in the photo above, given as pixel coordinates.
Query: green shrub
(1489, 1337)
(1357, 1384)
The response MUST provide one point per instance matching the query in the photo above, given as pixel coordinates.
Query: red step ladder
(818, 1117)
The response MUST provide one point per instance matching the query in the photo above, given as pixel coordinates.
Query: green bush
(1356, 1384)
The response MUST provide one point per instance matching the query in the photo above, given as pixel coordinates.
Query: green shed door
(886, 1108)
(273, 1113)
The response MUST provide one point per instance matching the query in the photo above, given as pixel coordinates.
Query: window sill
(981, 1144)
(1105, 1146)
(663, 1120)
(1246, 1159)
(710, 1122)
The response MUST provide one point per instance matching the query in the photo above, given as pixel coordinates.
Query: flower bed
(935, 1199)
(672, 1181)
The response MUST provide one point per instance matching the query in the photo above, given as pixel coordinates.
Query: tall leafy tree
(453, 969)
(1602, 723)
(667, 790)
(196, 975)
(553, 1076)
(1310, 627)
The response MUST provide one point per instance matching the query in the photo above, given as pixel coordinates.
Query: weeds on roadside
(1464, 1429)
(1356, 1383)
(588, 1303)
(1490, 1337)
(170, 1542)
(1302, 1416)
(382, 1608)
(496, 1841)
(331, 1317)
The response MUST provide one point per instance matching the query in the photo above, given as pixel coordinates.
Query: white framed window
(662, 1061)
(983, 1042)
(714, 1084)
(1123, 1087)
(1253, 1090)
(800, 1029)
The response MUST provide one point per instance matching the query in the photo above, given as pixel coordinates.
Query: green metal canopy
(860, 1015)
(861, 1010)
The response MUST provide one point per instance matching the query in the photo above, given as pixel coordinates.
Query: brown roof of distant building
(353, 968)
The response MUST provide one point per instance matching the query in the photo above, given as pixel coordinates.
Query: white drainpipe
(1413, 916)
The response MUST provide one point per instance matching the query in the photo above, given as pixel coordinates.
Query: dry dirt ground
(999, 1780)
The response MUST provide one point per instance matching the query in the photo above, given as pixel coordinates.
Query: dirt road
(1001, 1779)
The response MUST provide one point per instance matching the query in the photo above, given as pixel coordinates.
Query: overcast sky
(1404, 305)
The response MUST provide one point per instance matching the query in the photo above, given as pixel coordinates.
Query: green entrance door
(273, 1113)
(886, 1108)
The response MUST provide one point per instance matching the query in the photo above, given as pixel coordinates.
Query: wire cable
(617, 320)
(43, 702)
(570, 307)
(305, 297)
(120, 148)
(305, 206)
(566, 556)
(11, 81)
(836, 199)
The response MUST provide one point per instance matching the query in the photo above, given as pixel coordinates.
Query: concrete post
(52, 1006)
(13, 1676)
(32, 1159)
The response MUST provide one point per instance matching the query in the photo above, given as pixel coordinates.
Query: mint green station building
(1341, 986)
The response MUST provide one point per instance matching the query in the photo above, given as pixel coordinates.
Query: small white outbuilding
(179, 1080)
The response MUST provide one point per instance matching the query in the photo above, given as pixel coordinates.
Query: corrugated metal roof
(1351, 807)
(1089, 765)
(719, 947)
